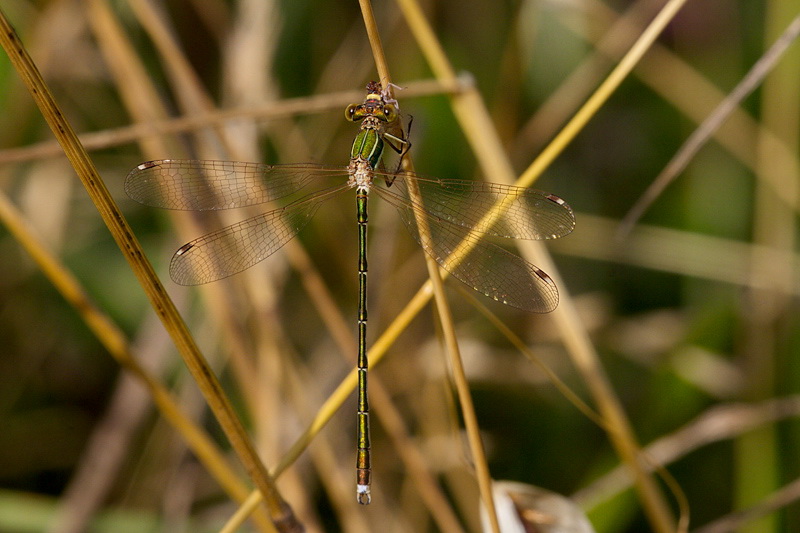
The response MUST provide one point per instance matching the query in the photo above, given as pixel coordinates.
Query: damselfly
(455, 215)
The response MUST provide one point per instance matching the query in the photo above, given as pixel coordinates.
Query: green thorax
(368, 145)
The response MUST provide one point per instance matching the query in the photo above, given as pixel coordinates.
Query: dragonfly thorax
(368, 146)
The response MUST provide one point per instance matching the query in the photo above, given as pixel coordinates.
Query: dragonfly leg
(402, 147)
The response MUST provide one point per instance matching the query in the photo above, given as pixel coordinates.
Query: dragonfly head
(374, 105)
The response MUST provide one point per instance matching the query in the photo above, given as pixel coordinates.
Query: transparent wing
(237, 247)
(530, 214)
(198, 185)
(488, 269)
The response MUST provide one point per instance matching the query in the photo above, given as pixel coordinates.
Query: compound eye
(390, 112)
(350, 112)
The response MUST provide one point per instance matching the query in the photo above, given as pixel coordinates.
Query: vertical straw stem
(279, 511)
(480, 133)
(443, 308)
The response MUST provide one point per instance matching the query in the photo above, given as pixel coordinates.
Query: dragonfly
(444, 216)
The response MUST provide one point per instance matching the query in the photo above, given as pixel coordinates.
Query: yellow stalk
(279, 512)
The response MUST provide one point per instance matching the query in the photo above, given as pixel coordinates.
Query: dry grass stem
(279, 512)
(704, 131)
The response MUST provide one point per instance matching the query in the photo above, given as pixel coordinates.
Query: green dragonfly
(454, 213)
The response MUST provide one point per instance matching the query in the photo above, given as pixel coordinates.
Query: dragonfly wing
(487, 268)
(201, 185)
(237, 247)
(529, 214)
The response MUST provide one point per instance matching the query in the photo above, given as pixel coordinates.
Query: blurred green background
(693, 313)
